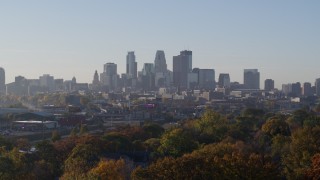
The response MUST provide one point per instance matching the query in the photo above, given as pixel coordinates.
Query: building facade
(224, 80)
(251, 79)
(131, 65)
(182, 65)
(268, 84)
(2, 81)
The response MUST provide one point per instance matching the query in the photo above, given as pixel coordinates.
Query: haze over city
(75, 38)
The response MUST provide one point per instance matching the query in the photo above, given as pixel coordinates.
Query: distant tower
(224, 80)
(95, 78)
(2, 81)
(160, 64)
(268, 84)
(131, 65)
(74, 80)
(47, 81)
(317, 84)
(182, 65)
(109, 77)
(307, 89)
(206, 79)
(251, 79)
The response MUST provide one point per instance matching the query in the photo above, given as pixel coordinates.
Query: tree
(111, 169)
(211, 127)
(304, 145)
(116, 142)
(275, 126)
(314, 171)
(55, 136)
(82, 158)
(7, 168)
(176, 142)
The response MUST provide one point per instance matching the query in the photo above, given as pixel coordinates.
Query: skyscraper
(47, 81)
(109, 77)
(182, 65)
(268, 84)
(206, 79)
(224, 80)
(148, 76)
(307, 89)
(251, 79)
(131, 65)
(160, 64)
(2, 81)
(317, 84)
(95, 78)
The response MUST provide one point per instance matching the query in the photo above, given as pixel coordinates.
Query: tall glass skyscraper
(131, 65)
(160, 64)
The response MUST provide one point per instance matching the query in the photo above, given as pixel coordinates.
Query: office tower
(95, 80)
(317, 85)
(131, 65)
(224, 80)
(307, 89)
(182, 65)
(2, 81)
(147, 76)
(206, 79)
(286, 89)
(109, 77)
(47, 81)
(19, 87)
(268, 84)
(251, 79)
(160, 64)
(296, 89)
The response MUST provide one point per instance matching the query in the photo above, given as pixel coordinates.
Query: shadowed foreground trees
(226, 160)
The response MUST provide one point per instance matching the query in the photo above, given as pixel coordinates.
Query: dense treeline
(254, 145)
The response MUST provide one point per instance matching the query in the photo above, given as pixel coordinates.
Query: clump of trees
(253, 145)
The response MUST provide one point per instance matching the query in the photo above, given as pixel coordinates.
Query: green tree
(176, 142)
(275, 126)
(82, 158)
(55, 136)
(304, 145)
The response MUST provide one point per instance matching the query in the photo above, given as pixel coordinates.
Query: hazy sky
(67, 38)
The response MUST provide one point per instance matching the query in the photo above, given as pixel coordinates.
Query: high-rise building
(206, 79)
(287, 89)
(109, 77)
(268, 84)
(307, 89)
(251, 79)
(2, 81)
(95, 80)
(317, 85)
(131, 65)
(182, 65)
(148, 76)
(296, 89)
(224, 80)
(160, 64)
(47, 81)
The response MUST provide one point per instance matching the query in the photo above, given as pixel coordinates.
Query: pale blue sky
(67, 38)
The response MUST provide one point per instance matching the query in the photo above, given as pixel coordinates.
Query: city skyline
(75, 38)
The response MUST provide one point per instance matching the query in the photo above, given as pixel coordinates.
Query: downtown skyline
(75, 38)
